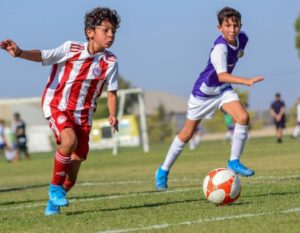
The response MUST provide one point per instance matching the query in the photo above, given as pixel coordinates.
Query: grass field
(116, 193)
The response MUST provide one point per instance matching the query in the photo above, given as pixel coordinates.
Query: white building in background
(175, 106)
(38, 133)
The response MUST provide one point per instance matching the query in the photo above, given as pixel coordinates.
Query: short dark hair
(277, 95)
(229, 13)
(96, 16)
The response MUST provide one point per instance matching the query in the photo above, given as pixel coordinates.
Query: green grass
(117, 192)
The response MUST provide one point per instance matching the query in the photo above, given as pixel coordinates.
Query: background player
(196, 138)
(297, 127)
(278, 113)
(2, 135)
(79, 72)
(213, 90)
(19, 128)
(229, 126)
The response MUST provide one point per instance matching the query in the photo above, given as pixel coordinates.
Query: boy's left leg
(239, 138)
(70, 180)
(161, 175)
(72, 174)
(67, 143)
(56, 192)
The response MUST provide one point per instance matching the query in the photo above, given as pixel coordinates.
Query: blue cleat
(57, 195)
(239, 168)
(161, 179)
(51, 209)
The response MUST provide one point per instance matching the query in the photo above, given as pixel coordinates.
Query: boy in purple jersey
(213, 90)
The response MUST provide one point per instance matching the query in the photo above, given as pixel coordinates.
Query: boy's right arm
(218, 58)
(12, 48)
(229, 78)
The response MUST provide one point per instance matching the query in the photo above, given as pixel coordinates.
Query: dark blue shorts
(280, 124)
(2, 145)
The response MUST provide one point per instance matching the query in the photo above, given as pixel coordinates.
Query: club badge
(61, 119)
(96, 71)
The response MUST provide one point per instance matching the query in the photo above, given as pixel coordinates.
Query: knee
(185, 136)
(68, 145)
(243, 119)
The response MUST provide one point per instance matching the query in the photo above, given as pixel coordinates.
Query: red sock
(61, 165)
(68, 184)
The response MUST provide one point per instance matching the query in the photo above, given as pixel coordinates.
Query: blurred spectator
(19, 128)
(6, 141)
(297, 127)
(278, 113)
(195, 140)
(246, 105)
(2, 137)
(229, 125)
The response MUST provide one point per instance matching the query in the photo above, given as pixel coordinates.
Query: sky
(161, 45)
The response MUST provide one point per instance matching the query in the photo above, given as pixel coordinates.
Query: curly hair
(96, 16)
(227, 13)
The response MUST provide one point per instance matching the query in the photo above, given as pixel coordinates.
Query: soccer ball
(221, 186)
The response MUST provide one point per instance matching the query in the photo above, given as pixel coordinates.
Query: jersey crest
(96, 72)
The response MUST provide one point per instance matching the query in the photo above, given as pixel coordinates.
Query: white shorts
(204, 108)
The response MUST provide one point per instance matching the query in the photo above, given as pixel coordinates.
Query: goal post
(142, 115)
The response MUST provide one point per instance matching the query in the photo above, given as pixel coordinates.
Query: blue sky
(161, 44)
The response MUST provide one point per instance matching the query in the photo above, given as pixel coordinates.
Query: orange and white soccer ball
(221, 186)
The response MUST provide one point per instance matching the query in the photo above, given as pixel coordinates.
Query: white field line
(275, 178)
(101, 198)
(199, 221)
(109, 183)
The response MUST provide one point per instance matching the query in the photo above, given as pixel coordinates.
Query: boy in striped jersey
(213, 90)
(79, 72)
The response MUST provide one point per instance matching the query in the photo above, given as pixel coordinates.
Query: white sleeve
(57, 55)
(218, 58)
(112, 77)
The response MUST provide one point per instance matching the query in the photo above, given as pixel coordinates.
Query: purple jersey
(208, 85)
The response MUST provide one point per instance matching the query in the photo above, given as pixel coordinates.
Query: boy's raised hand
(11, 47)
(251, 81)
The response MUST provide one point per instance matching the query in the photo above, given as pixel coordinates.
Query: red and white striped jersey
(77, 78)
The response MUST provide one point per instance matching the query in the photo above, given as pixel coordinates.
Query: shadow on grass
(157, 204)
(146, 205)
(6, 203)
(272, 194)
(22, 188)
(112, 195)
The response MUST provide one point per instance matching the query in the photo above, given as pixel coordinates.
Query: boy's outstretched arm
(225, 77)
(14, 50)
(112, 104)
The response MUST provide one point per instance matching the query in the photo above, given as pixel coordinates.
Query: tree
(160, 127)
(297, 39)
